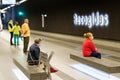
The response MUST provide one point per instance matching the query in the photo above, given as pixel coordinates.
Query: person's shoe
(11, 44)
(15, 45)
(25, 52)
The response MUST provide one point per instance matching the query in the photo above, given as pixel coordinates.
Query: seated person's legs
(96, 54)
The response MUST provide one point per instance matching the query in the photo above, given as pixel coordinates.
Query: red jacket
(88, 47)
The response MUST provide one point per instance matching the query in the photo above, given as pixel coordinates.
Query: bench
(32, 72)
(104, 64)
(35, 72)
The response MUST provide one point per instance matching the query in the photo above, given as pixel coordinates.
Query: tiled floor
(60, 59)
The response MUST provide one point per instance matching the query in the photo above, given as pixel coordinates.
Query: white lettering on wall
(95, 19)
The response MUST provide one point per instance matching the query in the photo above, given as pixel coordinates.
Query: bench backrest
(43, 57)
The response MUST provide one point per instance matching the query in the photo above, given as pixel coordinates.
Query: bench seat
(32, 72)
(104, 64)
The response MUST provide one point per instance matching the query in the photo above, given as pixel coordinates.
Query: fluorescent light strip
(114, 78)
(98, 74)
(14, 5)
(19, 74)
(22, 1)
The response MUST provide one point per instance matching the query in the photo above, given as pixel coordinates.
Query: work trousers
(11, 37)
(26, 42)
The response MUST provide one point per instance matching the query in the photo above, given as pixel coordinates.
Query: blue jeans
(96, 54)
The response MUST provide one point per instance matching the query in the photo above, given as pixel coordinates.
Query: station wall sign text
(95, 19)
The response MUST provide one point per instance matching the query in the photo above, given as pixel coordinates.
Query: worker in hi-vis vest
(16, 33)
(10, 28)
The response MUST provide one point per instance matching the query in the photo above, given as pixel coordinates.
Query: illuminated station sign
(92, 20)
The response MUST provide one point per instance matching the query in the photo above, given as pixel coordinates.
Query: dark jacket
(34, 53)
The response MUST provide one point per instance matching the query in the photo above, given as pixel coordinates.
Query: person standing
(26, 34)
(16, 32)
(10, 28)
(88, 47)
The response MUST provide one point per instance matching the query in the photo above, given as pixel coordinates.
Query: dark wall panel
(60, 19)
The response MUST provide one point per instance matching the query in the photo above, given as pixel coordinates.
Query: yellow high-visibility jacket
(10, 27)
(16, 30)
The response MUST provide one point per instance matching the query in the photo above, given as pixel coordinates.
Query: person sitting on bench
(88, 47)
(34, 53)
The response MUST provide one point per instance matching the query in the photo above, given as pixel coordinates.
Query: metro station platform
(63, 46)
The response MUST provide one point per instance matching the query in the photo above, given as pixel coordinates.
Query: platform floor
(60, 60)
